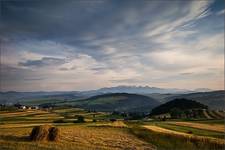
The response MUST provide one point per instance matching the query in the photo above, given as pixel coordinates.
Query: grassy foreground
(16, 126)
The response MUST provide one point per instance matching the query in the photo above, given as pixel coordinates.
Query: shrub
(59, 121)
(80, 119)
(112, 120)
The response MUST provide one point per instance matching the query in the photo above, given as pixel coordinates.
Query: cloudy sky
(57, 45)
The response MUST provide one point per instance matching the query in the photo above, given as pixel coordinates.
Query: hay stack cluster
(45, 133)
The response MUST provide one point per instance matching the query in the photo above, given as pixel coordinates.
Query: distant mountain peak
(140, 89)
(203, 90)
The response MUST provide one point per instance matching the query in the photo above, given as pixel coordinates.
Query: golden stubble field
(167, 131)
(15, 128)
(75, 137)
(212, 127)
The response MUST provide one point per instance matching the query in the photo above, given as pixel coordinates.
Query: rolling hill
(180, 105)
(122, 102)
(214, 99)
(14, 97)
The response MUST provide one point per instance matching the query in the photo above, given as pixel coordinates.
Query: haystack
(44, 133)
(54, 134)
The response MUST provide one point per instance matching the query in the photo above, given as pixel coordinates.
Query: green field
(191, 130)
(15, 127)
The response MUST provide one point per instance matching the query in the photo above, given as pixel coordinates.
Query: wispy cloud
(109, 43)
(44, 62)
(221, 12)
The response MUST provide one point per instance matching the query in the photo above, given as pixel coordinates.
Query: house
(22, 107)
(162, 116)
(34, 107)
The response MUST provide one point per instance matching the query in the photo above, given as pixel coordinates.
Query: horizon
(88, 45)
(136, 86)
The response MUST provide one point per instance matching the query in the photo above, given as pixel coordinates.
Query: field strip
(206, 114)
(167, 131)
(20, 125)
(211, 113)
(212, 127)
(219, 113)
(23, 113)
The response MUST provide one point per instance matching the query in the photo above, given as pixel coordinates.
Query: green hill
(178, 106)
(214, 99)
(121, 102)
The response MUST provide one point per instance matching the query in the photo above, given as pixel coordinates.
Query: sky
(68, 45)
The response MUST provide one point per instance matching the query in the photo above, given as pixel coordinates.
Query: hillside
(122, 102)
(14, 97)
(180, 105)
(213, 99)
(30, 97)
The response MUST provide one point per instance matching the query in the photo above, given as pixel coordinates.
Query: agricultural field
(98, 132)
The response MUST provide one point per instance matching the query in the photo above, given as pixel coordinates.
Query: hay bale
(53, 134)
(44, 133)
(39, 133)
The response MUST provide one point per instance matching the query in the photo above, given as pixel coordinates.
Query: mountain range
(12, 96)
(213, 99)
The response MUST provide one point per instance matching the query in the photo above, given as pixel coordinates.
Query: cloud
(44, 62)
(196, 10)
(108, 43)
(186, 73)
(221, 12)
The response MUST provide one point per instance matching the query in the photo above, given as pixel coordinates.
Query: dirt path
(212, 127)
(167, 131)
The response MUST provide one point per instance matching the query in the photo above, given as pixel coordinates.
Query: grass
(210, 127)
(41, 101)
(173, 142)
(191, 130)
(220, 121)
(102, 135)
(75, 136)
(117, 124)
(109, 100)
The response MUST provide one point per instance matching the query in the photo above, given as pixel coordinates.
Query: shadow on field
(15, 138)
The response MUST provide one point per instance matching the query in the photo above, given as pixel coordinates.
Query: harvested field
(118, 124)
(76, 136)
(212, 127)
(167, 131)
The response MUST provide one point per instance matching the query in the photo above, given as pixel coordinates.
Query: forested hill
(180, 104)
(122, 102)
